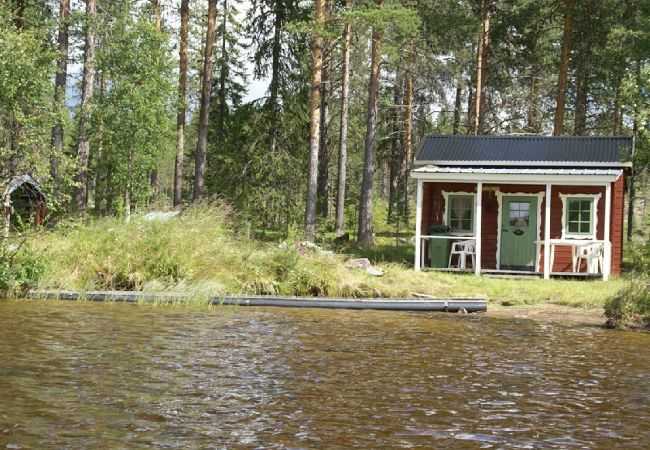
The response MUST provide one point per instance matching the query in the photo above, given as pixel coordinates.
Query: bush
(630, 307)
(20, 270)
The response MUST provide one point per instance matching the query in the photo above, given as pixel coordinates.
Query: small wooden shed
(22, 196)
(521, 204)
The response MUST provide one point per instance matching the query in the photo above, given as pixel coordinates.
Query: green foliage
(133, 117)
(26, 106)
(630, 307)
(20, 269)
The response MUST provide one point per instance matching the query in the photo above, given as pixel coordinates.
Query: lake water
(88, 375)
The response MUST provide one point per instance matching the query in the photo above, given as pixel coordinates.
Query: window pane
(579, 215)
(461, 213)
(519, 214)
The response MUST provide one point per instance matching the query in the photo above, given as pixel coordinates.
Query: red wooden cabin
(521, 204)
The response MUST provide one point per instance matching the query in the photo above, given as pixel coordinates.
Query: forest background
(120, 106)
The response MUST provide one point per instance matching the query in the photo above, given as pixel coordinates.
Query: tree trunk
(343, 129)
(127, 191)
(19, 14)
(83, 140)
(532, 121)
(223, 77)
(157, 13)
(365, 235)
(408, 133)
(60, 84)
(274, 85)
(180, 113)
(632, 178)
(204, 110)
(616, 119)
(471, 110)
(481, 69)
(560, 99)
(314, 124)
(583, 72)
(324, 142)
(455, 126)
(396, 145)
(153, 176)
(99, 186)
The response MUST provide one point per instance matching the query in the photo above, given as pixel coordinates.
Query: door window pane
(519, 214)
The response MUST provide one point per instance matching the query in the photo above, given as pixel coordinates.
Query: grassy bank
(203, 252)
(630, 307)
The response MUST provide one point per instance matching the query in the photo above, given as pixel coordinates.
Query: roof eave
(617, 165)
(499, 178)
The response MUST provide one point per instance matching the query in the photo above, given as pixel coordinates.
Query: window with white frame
(460, 213)
(579, 216)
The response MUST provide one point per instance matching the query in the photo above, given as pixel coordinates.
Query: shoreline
(550, 312)
(542, 311)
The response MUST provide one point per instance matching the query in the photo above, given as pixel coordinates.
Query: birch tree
(181, 108)
(83, 138)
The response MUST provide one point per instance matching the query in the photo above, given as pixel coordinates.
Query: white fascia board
(518, 178)
(524, 163)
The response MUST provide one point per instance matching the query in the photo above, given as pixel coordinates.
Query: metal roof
(517, 171)
(577, 151)
(20, 181)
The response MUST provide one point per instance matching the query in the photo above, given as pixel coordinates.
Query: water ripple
(77, 375)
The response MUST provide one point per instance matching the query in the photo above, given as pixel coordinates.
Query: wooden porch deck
(516, 274)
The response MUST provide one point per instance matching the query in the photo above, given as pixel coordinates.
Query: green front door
(518, 233)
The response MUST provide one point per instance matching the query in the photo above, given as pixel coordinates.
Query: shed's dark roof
(583, 151)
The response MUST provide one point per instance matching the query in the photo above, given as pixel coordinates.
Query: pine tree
(314, 121)
(204, 108)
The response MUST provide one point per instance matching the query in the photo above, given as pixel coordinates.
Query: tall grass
(204, 252)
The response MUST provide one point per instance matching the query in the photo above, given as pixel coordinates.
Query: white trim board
(513, 163)
(594, 216)
(540, 196)
(495, 178)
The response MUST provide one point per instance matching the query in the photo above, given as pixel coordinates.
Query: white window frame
(595, 198)
(446, 195)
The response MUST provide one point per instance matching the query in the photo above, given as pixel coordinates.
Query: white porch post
(607, 263)
(418, 225)
(547, 232)
(478, 222)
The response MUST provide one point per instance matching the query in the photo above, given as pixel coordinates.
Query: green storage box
(439, 248)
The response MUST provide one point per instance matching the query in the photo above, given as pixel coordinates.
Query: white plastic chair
(462, 249)
(593, 255)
